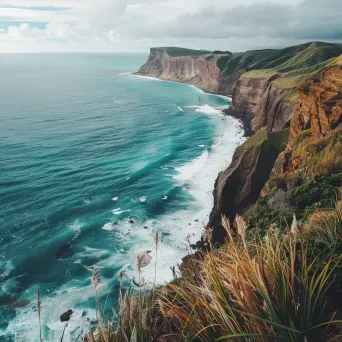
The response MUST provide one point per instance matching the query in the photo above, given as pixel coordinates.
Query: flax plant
(265, 292)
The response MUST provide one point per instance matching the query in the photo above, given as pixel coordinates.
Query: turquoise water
(85, 147)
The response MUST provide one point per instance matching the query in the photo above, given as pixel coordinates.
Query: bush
(320, 191)
(273, 290)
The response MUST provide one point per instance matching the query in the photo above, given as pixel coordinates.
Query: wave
(147, 77)
(188, 171)
(144, 168)
(199, 89)
(117, 211)
(126, 73)
(196, 178)
(180, 109)
(109, 226)
(224, 97)
(206, 109)
(143, 199)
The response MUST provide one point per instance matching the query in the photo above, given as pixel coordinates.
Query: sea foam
(198, 178)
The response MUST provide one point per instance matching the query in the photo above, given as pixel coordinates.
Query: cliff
(315, 139)
(272, 90)
(297, 169)
(262, 83)
(238, 187)
(198, 70)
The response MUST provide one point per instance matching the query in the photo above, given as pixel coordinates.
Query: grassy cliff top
(292, 61)
(182, 52)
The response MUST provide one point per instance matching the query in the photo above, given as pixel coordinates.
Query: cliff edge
(278, 95)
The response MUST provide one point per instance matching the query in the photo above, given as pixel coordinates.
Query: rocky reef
(289, 101)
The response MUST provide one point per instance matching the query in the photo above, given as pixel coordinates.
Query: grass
(278, 139)
(255, 140)
(293, 65)
(263, 290)
(264, 73)
(279, 287)
(290, 82)
(180, 52)
(338, 60)
(292, 59)
(292, 96)
(322, 156)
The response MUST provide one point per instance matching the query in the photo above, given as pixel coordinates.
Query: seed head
(96, 277)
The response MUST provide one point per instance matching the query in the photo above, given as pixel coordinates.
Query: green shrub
(320, 191)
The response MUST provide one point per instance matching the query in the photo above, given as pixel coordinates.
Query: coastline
(201, 173)
(244, 119)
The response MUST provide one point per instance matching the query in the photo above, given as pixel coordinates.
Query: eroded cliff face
(311, 146)
(256, 101)
(320, 104)
(315, 138)
(262, 103)
(238, 187)
(198, 71)
(309, 131)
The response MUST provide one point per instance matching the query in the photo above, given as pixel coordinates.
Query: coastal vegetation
(181, 52)
(299, 60)
(281, 284)
(278, 286)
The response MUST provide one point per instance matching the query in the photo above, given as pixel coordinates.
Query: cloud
(131, 25)
(310, 19)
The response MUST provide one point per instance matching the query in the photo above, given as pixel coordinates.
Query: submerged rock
(65, 251)
(65, 317)
(145, 259)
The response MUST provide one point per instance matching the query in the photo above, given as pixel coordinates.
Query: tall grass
(270, 289)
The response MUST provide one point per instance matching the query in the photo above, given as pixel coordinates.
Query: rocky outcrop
(238, 187)
(256, 101)
(200, 71)
(320, 104)
(260, 102)
(316, 116)
(315, 138)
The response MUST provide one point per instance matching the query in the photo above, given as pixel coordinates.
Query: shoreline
(244, 119)
(221, 163)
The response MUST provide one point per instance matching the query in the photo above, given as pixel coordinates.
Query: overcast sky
(136, 25)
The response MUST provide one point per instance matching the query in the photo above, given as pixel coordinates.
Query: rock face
(266, 101)
(238, 187)
(256, 101)
(320, 104)
(198, 71)
(259, 100)
(314, 136)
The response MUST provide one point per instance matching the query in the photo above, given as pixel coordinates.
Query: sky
(137, 25)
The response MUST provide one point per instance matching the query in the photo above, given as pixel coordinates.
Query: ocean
(86, 147)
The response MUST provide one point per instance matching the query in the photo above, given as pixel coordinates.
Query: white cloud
(132, 25)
